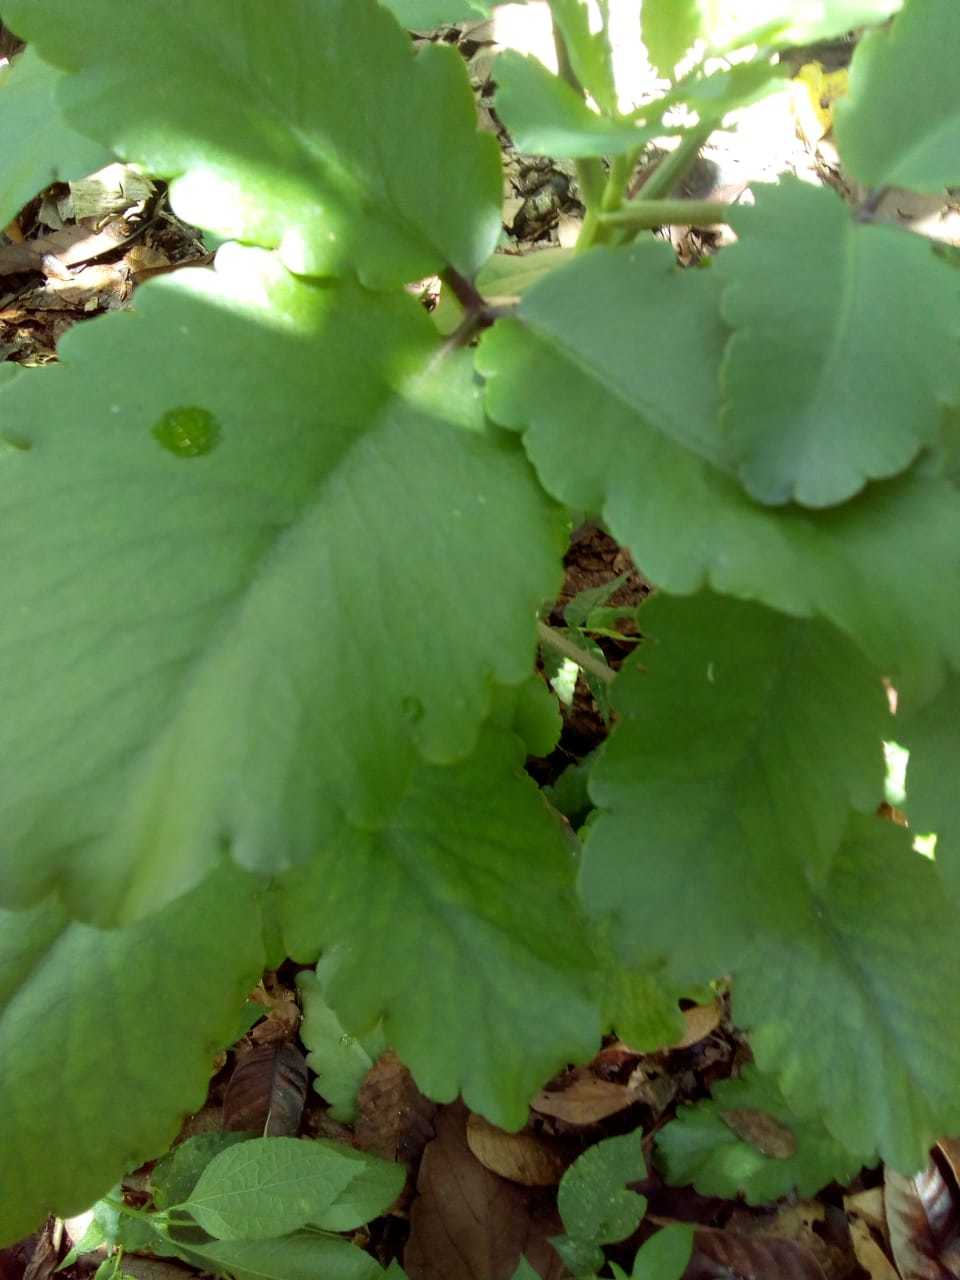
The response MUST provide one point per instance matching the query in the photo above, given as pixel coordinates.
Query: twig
(554, 640)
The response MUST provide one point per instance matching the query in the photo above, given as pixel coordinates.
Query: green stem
(560, 643)
(675, 164)
(647, 214)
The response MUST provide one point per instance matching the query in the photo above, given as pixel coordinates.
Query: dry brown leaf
(762, 1130)
(585, 1099)
(74, 244)
(521, 1157)
(700, 1021)
(922, 1224)
(868, 1205)
(267, 1091)
(46, 1252)
(718, 1255)
(394, 1119)
(869, 1254)
(468, 1224)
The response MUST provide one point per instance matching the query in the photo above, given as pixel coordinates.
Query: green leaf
(642, 1007)
(267, 1187)
(900, 124)
(665, 1255)
(670, 28)
(133, 1019)
(580, 1257)
(322, 133)
(589, 52)
(744, 738)
(570, 795)
(37, 146)
(844, 351)
(932, 734)
(843, 997)
(687, 523)
(302, 1256)
(233, 649)
(545, 116)
(375, 1185)
(174, 1177)
(424, 15)
(460, 929)
(338, 1060)
(593, 1201)
(730, 23)
(699, 1147)
(511, 273)
(524, 1271)
(536, 718)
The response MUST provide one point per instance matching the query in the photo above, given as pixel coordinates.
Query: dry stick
(572, 651)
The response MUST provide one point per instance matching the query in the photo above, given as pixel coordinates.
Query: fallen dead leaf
(394, 1120)
(869, 1254)
(267, 1091)
(763, 1132)
(469, 1224)
(521, 1157)
(585, 1099)
(77, 243)
(701, 1020)
(922, 1224)
(719, 1255)
(868, 1205)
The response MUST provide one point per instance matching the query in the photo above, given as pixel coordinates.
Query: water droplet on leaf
(187, 432)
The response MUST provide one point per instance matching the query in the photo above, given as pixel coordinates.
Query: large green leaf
(850, 997)
(301, 1256)
(320, 131)
(687, 522)
(932, 735)
(422, 15)
(37, 146)
(245, 581)
(107, 1040)
(670, 28)
(744, 738)
(268, 1187)
(545, 116)
(900, 125)
(728, 23)
(459, 927)
(700, 1147)
(845, 346)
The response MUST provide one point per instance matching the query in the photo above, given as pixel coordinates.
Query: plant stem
(674, 165)
(554, 640)
(646, 214)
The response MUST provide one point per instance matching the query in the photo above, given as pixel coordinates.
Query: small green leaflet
(725, 24)
(339, 1061)
(460, 929)
(546, 116)
(663, 1257)
(932, 734)
(246, 650)
(688, 523)
(268, 1187)
(744, 738)
(594, 1203)
(37, 146)
(589, 52)
(698, 1147)
(845, 346)
(669, 28)
(133, 1017)
(322, 133)
(900, 124)
(857, 962)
